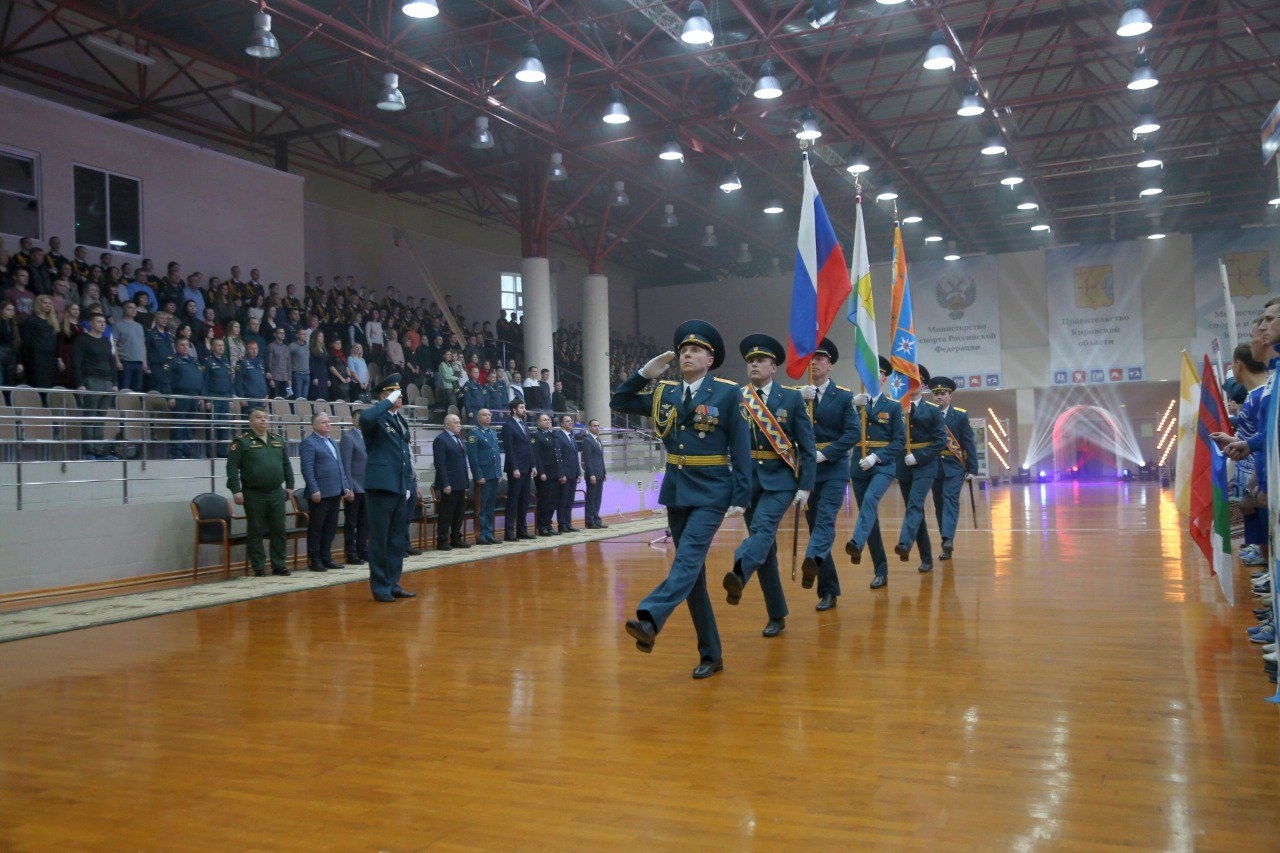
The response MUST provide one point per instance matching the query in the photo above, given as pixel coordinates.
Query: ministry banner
(1095, 314)
(1249, 255)
(957, 309)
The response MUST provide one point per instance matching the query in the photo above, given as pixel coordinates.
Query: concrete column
(535, 280)
(595, 349)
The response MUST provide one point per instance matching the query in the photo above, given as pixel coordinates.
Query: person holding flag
(878, 441)
(917, 470)
(781, 473)
(957, 463)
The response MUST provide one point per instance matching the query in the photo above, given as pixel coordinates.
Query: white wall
(202, 208)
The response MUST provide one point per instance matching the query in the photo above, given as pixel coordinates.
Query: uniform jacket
(219, 379)
(792, 414)
(835, 426)
(569, 466)
(483, 453)
(450, 457)
(354, 458)
(473, 398)
(886, 435)
(322, 471)
(716, 407)
(516, 447)
(926, 437)
(251, 378)
(957, 421)
(592, 457)
(386, 439)
(186, 375)
(258, 463)
(547, 454)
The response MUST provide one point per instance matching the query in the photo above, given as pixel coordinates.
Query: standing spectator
(532, 390)
(327, 485)
(251, 376)
(375, 336)
(279, 365)
(485, 459)
(41, 275)
(68, 330)
(131, 347)
(186, 380)
(547, 455)
(219, 386)
(450, 456)
(558, 401)
(300, 365)
(319, 362)
(93, 370)
(139, 285)
(355, 522)
(257, 467)
(358, 371)
(594, 474)
(473, 395)
(570, 473)
(447, 377)
(545, 384)
(253, 332)
(23, 299)
(388, 482)
(339, 375)
(235, 344)
(518, 463)
(9, 344)
(159, 350)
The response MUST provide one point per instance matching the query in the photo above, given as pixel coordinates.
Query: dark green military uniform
(256, 467)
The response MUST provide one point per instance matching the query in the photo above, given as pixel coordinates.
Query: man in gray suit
(326, 487)
(355, 527)
(593, 474)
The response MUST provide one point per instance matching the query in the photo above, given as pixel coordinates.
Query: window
(19, 194)
(513, 294)
(108, 211)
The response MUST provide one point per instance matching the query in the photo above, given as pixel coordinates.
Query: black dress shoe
(774, 628)
(879, 581)
(510, 538)
(443, 546)
(551, 532)
(645, 633)
(284, 573)
(903, 551)
(412, 552)
(925, 567)
(354, 561)
(383, 596)
(317, 567)
(827, 602)
(946, 552)
(707, 668)
(570, 529)
(855, 553)
(259, 573)
(330, 564)
(527, 536)
(809, 569)
(402, 593)
(460, 543)
(733, 585)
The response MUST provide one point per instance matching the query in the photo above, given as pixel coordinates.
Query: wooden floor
(1073, 680)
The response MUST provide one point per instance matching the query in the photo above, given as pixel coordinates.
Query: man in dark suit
(570, 474)
(519, 466)
(547, 455)
(593, 473)
(327, 485)
(450, 456)
(559, 403)
(355, 522)
(388, 482)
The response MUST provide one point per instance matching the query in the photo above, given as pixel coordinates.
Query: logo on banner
(1097, 375)
(1078, 376)
(1135, 374)
(1095, 286)
(959, 380)
(1117, 374)
(975, 381)
(1248, 273)
(955, 295)
(1060, 377)
(993, 380)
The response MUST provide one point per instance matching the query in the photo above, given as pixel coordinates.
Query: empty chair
(411, 394)
(26, 397)
(212, 514)
(8, 433)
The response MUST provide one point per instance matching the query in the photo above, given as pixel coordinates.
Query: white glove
(394, 395)
(802, 495)
(909, 459)
(809, 392)
(657, 365)
(861, 400)
(868, 462)
(821, 458)
(734, 510)
(968, 476)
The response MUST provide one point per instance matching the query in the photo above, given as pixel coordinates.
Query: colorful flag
(821, 283)
(862, 312)
(1188, 414)
(905, 378)
(1210, 512)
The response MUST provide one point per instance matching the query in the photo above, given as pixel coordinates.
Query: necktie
(819, 400)
(688, 396)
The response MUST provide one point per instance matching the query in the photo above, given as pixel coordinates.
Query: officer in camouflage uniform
(257, 466)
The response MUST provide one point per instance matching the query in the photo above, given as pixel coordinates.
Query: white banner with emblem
(957, 314)
(1095, 314)
(1248, 255)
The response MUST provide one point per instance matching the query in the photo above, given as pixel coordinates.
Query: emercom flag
(1210, 512)
(905, 378)
(862, 312)
(1188, 412)
(821, 283)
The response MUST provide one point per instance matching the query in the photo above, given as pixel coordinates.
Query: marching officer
(486, 470)
(257, 467)
(879, 441)
(917, 469)
(186, 378)
(546, 453)
(957, 463)
(835, 428)
(699, 422)
(219, 385)
(781, 471)
(251, 375)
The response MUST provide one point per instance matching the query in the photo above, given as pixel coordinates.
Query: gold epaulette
(667, 382)
(725, 381)
(958, 409)
(931, 403)
(842, 388)
(790, 387)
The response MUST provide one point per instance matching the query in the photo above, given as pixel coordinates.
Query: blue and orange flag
(905, 378)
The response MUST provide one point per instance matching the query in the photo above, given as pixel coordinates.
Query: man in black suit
(593, 473)
(450, 456)
(517, 452)
(559, 403)
(570, 473)
(547, 456)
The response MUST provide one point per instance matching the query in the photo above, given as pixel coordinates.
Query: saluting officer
(186, 378)
(782, 473)
(958, 462)
(251, 375)
(257, 467)
(917, 469)
(835, 427)
(881, 437)
(486, 471)
(699, 422)
(389, 481)
(219, 385)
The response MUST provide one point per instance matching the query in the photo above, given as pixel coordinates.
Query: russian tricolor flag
(821, 283)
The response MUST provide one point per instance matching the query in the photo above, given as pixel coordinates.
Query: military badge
(882, 417)
(471, 439)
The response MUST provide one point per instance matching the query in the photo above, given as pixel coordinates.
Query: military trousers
(758, 553)
(915, 485)
(264, 516)
(824, 505)
(947, 486)
(388, 537)
(692, 529)
(868, 489)
(488, 505)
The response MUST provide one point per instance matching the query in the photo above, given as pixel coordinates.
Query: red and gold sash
(768, 424)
